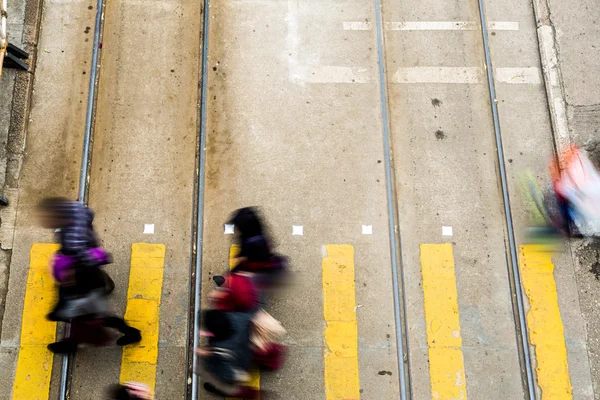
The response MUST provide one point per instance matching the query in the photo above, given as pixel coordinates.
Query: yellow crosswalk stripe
(446, 366)
(341, 331)
(34, 364)
(254, 382)
(545, 326)
(138, 361)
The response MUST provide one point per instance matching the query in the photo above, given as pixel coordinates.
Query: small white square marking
(367, 229)
(446, 231)
(297, 230)
(149, 229)
(229, 229)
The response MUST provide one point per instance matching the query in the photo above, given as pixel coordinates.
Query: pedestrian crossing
(448, 371)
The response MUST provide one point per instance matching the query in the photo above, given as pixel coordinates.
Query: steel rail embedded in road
(84, 172)
(200, 199)
(402, 350)
(515, 276)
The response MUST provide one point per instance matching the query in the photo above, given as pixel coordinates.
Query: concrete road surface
(364, 132)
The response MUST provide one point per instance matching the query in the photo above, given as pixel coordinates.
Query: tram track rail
(196, 269)
(84, 174)
(512, 263)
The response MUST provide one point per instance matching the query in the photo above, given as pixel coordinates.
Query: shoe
(62, 347)
(52, 316)
(133, 336)
(210, 388)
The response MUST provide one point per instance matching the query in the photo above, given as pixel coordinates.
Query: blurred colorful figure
(572, 206)
(577, 188)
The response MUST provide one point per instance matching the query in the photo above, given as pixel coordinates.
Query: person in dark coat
(225, 362)
(77, 264)
(83, 285)
(237, 292)
(256, 255)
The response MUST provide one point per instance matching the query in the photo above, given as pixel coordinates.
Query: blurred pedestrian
(577, 187)
(224, 364)
(76, 266)
(255, 246)
(256, 255)
(265, 334)
(83, 285)
(95, 330)
(237, 292)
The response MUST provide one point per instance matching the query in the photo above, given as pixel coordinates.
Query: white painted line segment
(466, 75)
(367, 229)
(337, 74)
(297, 230)
(357, 26)
(432, 26)
(529, 75)
(446, 231)
(148, 229)
(293, 42)
(437, 75)
(229, 229)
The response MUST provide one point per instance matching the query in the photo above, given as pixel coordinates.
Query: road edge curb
(549, 58)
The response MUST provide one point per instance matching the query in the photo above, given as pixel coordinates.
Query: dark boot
(130, 334)
(62, 347)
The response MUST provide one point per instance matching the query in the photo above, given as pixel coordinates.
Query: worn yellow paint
(341, 332)
(254, 382)
(34, 365)
(234, 250)
(545, 326)
(138, 361)
(446, 366)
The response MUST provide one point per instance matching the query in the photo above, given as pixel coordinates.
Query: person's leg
(210, 388)
(109, 283)
(52, 316)
(63, 347)
(65, 294)
(130, 334)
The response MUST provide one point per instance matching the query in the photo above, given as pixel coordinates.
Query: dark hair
(118, 392)
(53, 205)
(247, 220)
(218, 324)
